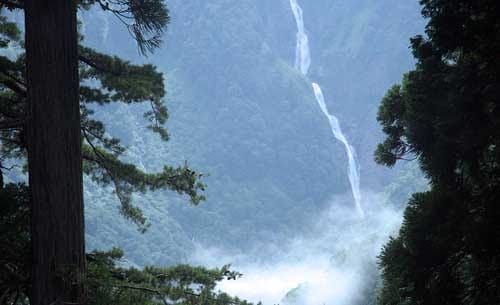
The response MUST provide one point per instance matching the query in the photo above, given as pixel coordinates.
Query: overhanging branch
(12, 124)
(95, 65)
(11, 4)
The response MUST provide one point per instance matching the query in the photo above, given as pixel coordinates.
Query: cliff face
(241, 113)
(361, 48)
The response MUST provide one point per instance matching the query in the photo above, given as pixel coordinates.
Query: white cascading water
(353, 171)
(302, 63)
(302, 54)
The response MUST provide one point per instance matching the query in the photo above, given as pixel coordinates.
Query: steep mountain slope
(243, 115)
(360, 49)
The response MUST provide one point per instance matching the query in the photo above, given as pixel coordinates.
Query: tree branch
(139, 288)
(150, 290)
(96, 66)
(14, 85)
(11, 4)
(12, 124)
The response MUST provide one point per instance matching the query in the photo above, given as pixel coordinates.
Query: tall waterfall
(302, 53)
(353, 170)
(302, 63)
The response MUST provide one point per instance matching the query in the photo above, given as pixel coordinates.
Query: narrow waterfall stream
(302, 63)
(337, 264)
(302, 53)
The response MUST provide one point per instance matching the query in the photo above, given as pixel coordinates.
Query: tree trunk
(54, 152)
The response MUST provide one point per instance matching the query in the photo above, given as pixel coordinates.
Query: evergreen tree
(44, 118)
(54, 152)
(107, 281)
(446, 113)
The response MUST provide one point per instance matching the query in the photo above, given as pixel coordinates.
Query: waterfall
(353, 170)
(302, 54)
(302, 63)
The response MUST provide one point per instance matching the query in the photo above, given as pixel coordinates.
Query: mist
(334, 263)
(172, 144)
(245, 127)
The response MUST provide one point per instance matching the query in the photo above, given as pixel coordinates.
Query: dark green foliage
(15, 265)
(445, 111)
(421, 264)
(104, 79)
(145, 19)
(105, 168)
(108, 281)
(183, 284)
(446, 114)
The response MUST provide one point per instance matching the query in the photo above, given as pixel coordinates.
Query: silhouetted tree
(446, 113)
(44, 116)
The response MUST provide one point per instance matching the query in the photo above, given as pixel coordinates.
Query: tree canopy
(108, 280)
(446, 114)
(104, 79)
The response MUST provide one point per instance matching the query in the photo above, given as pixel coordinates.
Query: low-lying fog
(335, 265)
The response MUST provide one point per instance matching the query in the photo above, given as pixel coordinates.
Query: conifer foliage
(26, 135)
(107, 280)
(446, 114)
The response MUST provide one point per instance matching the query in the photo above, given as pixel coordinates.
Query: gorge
(243, 110)
(303, 62)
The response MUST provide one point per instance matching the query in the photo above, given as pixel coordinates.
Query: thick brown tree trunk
(54, 152)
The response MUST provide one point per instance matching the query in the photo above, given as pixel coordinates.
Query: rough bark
(54, 152)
